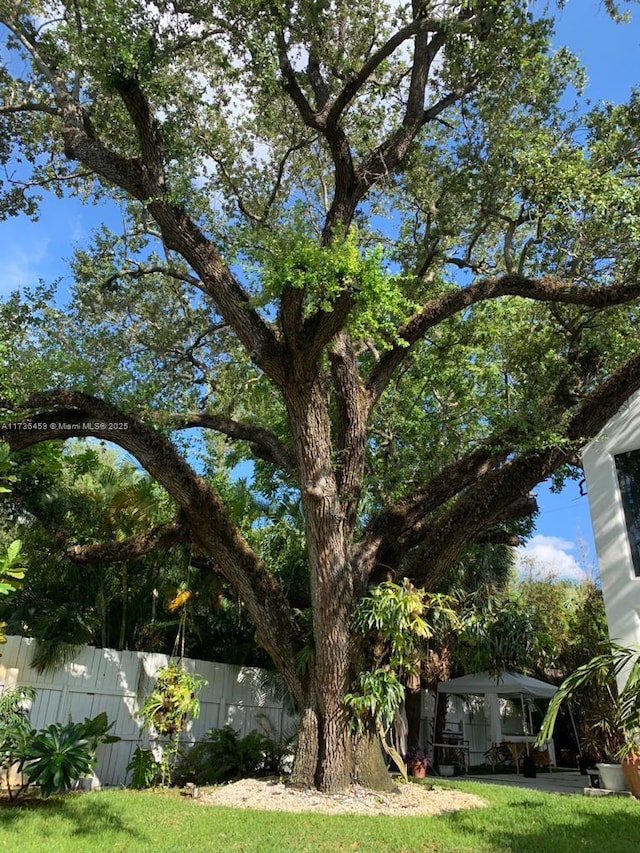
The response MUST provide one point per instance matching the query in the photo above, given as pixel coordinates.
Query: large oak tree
(371, 245)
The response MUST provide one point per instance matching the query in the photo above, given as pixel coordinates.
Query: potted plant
(615, 721)
(418, 763)
(629, 756)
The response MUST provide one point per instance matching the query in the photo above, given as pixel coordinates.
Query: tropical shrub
(56, 757)
(224, 755)
(14, 730)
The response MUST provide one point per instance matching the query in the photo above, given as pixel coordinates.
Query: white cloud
(549, 557)
(21, 265)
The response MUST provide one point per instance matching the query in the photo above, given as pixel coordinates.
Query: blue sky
(611, 54)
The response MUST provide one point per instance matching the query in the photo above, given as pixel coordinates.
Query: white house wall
(116, 682)
(620, 586)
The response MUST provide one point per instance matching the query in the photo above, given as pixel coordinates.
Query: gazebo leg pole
(575, 733)
(433, 730)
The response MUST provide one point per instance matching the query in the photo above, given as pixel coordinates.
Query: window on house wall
(628, 470)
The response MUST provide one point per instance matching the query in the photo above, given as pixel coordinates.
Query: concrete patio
(557, 782)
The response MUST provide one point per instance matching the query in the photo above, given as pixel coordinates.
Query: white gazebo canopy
(506, 684)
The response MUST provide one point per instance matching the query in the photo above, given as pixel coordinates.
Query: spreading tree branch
(28, 107)
(291, 85)
(142, 271)
(500, 537)
(162, 537)
(458, 299)
(143, 178)
(264, 444)
(62, 414)
(396, 522)
(148, 132)
(407, 524)
(492, 499)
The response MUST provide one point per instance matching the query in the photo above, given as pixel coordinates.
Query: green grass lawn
(516, 821)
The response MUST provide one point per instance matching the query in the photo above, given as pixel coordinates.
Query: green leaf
(13, 552)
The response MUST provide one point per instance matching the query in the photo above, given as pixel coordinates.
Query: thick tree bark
(330, 575)
(306, 757)
(364, 756)
(413, 709)
(369, 768)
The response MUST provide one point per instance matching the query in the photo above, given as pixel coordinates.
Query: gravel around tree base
(270, 794)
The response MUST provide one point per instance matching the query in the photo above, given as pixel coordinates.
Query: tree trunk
(331, 578)
(306, 757)
(334, 770)
(370, 770)
(125, 598)
(364, 763)
(413, 709)
(102, 610)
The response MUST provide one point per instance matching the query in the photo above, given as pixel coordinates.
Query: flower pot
(631, 771)
(11, 777)
(417, 769)
(612, 777)
(446, 769)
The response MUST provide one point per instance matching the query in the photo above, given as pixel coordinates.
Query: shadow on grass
(552, 824)
(83, 814)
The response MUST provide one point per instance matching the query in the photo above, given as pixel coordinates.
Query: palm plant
(619, 724)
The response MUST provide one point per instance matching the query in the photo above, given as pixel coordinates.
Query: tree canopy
(371, 248)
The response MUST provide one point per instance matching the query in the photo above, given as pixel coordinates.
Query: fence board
(117, 682)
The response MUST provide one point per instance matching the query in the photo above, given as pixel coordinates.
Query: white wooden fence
(118, 682)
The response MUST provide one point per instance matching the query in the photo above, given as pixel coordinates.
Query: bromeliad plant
(173, 701)
(168, 709)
